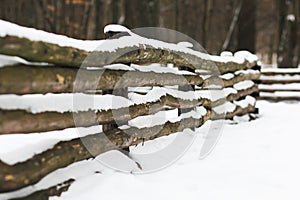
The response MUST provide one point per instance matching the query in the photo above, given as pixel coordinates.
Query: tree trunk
(246, 26)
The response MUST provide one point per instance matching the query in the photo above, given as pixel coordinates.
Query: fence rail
(280, 84)
(235, 81)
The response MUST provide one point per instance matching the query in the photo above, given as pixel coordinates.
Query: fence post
(185, 88)
(123, 92)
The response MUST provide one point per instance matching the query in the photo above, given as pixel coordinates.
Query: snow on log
(279, 81)
(225, 82)
(13, 177)
(130, 48)
(22, 121)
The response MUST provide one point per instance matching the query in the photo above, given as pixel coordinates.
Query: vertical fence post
(185, 88)
(123, 92)
(257, 82)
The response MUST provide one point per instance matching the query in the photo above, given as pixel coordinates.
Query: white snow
(280, 94)
(290, 17)
(243, 85)
(227, 76)
(226, 107)
(226, 53)
(158, 92)
(252, 160)
(8, 28)
(246, 55)
(37, 103)
(116, 28)
(291, 86)
(119, 67)
(281, 70)
(27, 145)
(185, 44)
(280, 77)
(159, 68)
(12, 60)
(249, 100)
(162, 117)
(248, 71)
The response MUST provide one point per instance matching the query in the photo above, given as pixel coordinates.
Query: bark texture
(67, 56)
(13, 177)
(22, 79)
(21, 121)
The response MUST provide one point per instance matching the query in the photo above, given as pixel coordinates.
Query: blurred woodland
(269, 28)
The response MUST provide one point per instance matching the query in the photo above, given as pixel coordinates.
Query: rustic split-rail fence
(280, 84)
(237, 81)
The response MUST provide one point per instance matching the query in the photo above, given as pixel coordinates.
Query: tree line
(269, 28)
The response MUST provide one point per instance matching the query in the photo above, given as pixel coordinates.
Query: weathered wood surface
(36, 51)
(279, 81)
(283, 73)
(66, 152)
(13, 177)
(271, 90)
(21, 121)
(215, 80)
(279, 98)
(24, 79)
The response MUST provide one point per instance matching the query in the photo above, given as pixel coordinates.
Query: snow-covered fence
(159, 85)
(280, 84)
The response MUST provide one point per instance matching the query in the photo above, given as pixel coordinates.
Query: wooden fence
(193, 74)
(280, 84)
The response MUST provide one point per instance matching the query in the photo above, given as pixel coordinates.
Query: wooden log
(283, 73)
(232, 97)
(41, 79)
(67, 56)
(13, 177)
(271, 90)
(21, 121)
(215, 80)
(278, 81)
(45, 194)
(279, 98)
(37, 51)
(239, 111)
(185, 88)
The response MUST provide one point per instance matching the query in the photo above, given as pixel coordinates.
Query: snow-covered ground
(252, 160)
